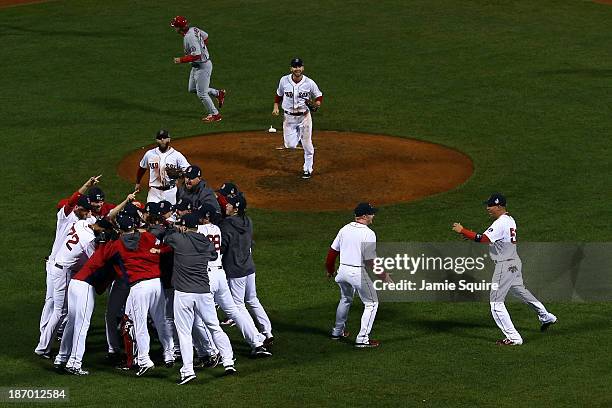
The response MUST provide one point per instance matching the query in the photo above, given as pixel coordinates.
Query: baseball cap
(164, 207)
(297, 62)
(496, 199)
(365, 209)
(190, 220)
(182, 205)
(152, 207)
(84, 202)
(95, 194)
(227, 189)
(238, 201)
(104, 223)
(130, 209)
(125, 222)
(193, 172)
(162, 134)
(206, 210)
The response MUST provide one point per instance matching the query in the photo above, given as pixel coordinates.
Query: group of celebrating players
(167, 264)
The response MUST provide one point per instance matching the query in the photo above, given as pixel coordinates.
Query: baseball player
(158, 161)
(195, 44)
(65, 217)
(236, 243)
(295, 91)
(81, 296)
(63, 266)
(220, 289)
(133, 260)
(356, 245)
(502, 237)
(192, 295)
(196, 191)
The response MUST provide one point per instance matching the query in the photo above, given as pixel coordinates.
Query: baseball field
(523, 88)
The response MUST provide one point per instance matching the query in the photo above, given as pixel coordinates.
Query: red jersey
(133, 262)
(100, 277)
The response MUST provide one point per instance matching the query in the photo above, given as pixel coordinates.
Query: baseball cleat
(306, 175)
(261, 351)
(59, 368)
(268, 342)
(369, 344)
(212, 118)
(341, 336)
(45, 355)
(546, 325)
(186, 379)
(169, 364)
(209, 361)
(142, 370)
(76, 371)
(228, 322)
(508, 342)
(221, 97)
(230, 370)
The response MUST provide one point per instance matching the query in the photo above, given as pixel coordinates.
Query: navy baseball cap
(365, 209)
(131, 210)
(227, 189)
(162, 134)
(297, 62)
(182, 205)
(125, 222)
(95, 194)
(206, 211)
(496, 199)
(193, 172)
(190, 220)
(104, 223)
(238, 201)
(84, 202)
(164, 207)
(152, 207)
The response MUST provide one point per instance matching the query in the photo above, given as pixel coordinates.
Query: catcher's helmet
(179, 22)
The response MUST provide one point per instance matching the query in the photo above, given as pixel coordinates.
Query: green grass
(522, 87)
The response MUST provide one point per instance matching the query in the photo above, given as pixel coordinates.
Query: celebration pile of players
(166, 265)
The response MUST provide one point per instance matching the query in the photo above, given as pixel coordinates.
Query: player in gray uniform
(501, 237)
(195, 42)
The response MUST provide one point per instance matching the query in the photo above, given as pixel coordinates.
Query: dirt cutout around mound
(348, 168)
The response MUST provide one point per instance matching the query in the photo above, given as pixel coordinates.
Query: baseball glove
(312, 106)
(174, 172)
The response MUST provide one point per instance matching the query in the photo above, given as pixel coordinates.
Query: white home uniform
(194, 43)
(508, 277)
(221, 292)
(356, 243)
(297, 123)
(160, 186)
(78, 245)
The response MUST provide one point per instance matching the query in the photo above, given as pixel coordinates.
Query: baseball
(271, 130)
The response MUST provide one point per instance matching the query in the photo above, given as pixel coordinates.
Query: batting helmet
(179, 22)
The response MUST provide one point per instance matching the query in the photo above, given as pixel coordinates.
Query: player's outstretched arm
(469, 234)
(92, 181)
(113, 213)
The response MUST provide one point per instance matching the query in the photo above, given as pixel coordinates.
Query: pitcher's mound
(348, 168)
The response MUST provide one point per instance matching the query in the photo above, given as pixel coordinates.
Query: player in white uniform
(60, 271)
(502, 237)
(220, 288)
(356, 245)
(80, 295)
(65, 218)
(294, 90)
(195, 44)
(161, 187)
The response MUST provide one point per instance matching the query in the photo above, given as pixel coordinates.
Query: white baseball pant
(296, 128)
(509, 279)
(223, 297)
(60, 278)
(169, 313)
(156, 195)
(47, 310)
(199, 83)
(186, 307)
(353, 279)
(115, 309)
(147, 298)
(244, 293)
(81, 299)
